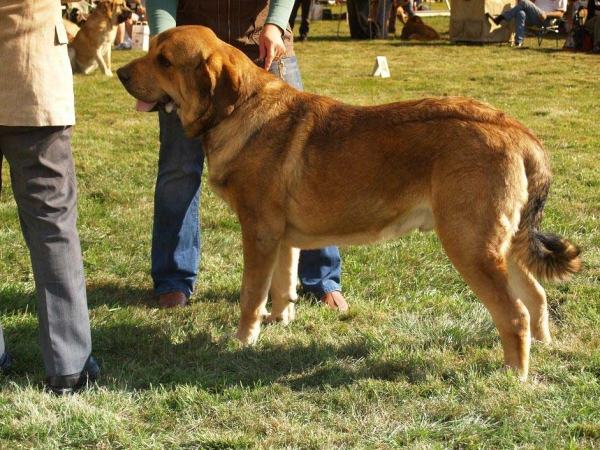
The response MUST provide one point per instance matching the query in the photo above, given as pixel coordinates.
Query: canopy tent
(468, 22)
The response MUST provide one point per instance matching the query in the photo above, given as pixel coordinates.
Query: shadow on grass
(135, 355)
(144, 357)
(394, 41)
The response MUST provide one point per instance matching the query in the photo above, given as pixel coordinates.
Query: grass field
(416, 362)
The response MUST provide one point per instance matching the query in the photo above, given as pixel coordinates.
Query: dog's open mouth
(166, 103)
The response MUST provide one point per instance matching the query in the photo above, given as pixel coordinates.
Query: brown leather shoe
(335, 300)
(172, 300)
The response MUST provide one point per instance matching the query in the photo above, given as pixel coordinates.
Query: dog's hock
(381, 68)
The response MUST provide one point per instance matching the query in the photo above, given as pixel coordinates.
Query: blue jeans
(176, 239)
(525, 14)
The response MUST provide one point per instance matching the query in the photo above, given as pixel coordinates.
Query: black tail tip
(561, 257)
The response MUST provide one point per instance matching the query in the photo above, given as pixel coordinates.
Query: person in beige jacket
(36, 116)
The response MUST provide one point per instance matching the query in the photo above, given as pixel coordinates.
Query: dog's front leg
(261, 247)
(107, 58)
(283, 286)
(102, 63)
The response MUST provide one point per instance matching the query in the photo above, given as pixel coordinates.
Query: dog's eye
(163, 61)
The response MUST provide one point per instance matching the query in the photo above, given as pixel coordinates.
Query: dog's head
(190, 70)
(116, 11)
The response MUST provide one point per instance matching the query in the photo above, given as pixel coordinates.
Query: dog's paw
(263, 313)
(249, 335)
(284, 316)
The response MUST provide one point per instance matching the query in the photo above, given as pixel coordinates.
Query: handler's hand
(542, 17)
(270, 43)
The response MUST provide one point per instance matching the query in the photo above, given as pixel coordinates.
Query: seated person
(526, 13)
(592, 23)
(125, 29)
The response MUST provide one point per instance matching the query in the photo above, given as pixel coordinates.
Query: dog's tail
(549, 257)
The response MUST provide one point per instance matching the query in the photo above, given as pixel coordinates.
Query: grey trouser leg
(43, 180)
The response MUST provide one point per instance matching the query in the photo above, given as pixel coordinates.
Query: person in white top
(531, 13)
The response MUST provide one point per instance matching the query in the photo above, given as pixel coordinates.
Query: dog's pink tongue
(144, 106)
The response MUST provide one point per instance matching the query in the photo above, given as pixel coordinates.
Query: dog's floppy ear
(214, 96)
(220, 81)
(226, 91)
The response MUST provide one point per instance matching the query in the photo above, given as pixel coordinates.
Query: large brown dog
(415, 30)
(476, 176)
(92, 45)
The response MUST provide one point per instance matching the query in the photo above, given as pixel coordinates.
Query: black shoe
(5, 362)
(70, 384)
(497, 20)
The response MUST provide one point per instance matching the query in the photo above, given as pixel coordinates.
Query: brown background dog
(92, 45)
(468, 171)
(414, 29)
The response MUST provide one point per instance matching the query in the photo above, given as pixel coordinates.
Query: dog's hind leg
(283, 286)
(486, 276)
(526, 288)
(478, 252)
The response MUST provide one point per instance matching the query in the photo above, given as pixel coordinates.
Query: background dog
(92, 45)
(414, 29)
(477, 177)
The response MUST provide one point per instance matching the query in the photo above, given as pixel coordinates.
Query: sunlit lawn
(416, 362)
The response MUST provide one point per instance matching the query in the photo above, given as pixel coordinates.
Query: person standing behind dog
(306, 6)
(261, 31)
(36, 114)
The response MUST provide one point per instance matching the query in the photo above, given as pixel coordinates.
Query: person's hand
(542, 17)
(270, 43)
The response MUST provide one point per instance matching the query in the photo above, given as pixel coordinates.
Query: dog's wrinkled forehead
(187, 43)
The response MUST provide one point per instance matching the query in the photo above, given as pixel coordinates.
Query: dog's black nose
(123, 75)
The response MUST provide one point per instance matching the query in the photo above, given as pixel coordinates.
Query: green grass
(415, 364)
